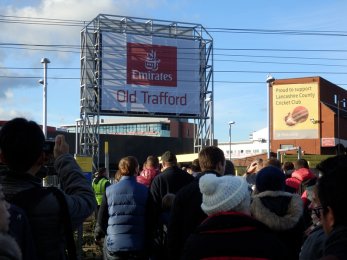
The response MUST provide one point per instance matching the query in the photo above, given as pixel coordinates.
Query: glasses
(317, 210)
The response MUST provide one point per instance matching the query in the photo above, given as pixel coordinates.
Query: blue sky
(241, 62)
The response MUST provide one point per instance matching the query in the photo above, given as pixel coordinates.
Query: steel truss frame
(91, 64)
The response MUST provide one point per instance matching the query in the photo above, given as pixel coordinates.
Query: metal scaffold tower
(91, 82)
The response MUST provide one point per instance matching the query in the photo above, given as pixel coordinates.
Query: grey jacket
(46, 225)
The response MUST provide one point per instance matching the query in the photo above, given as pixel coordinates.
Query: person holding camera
(52, 213)
(251, 172)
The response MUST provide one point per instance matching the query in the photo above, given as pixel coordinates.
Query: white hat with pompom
(220, 194)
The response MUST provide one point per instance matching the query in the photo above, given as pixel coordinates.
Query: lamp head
(45, 60)
(270, 78)
(231, 122)
(41, 81)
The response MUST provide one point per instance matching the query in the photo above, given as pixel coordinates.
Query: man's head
(331, 191)
(212, 158)
(273, 162)
(168, 159)
(229, 168)
(194, 166)
(101, 172)
(301, 163)
(21, 144)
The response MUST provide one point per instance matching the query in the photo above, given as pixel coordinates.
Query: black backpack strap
(65, 215)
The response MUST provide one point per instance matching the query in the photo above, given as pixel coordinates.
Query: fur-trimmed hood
(265, 207)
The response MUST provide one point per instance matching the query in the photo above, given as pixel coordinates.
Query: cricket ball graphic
(298, 115)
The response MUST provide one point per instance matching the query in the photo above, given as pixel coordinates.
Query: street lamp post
(230, 123)
(269, 80)
(337, 101)
(44, 61)
(209, 104)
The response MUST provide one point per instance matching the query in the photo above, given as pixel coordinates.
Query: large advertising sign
(293, 107)
(149, 74)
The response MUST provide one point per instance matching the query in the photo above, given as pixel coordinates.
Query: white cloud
(78, 10)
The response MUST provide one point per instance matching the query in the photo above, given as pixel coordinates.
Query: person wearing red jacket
(149, 171)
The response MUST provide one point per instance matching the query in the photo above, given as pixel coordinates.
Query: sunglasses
(317, 210)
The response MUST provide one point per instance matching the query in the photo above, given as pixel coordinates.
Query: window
(286, 146)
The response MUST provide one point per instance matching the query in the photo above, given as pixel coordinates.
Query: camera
(48, 146)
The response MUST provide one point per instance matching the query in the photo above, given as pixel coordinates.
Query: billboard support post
(269, 80)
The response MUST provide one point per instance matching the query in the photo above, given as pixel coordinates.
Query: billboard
(293, 107)
(146, 74)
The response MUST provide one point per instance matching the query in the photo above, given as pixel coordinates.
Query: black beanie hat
(270, 178)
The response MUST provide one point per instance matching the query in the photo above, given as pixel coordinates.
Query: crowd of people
(274, 211)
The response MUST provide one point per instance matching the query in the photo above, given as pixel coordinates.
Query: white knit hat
(221, 194)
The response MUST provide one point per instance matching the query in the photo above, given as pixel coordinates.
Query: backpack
(36, 194)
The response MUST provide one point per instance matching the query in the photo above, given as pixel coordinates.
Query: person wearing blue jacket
(123, 215)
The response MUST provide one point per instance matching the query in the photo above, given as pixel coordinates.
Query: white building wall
(256, 145)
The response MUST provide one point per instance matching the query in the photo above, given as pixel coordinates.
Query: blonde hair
(128, 166)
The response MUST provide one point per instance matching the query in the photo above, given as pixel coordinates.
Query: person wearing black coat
(186, 213)
(281, 211)
(332, 197)
(230, 232)
(171, 180)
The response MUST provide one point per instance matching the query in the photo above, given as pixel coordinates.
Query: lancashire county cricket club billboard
(293, 105)
(146, 74)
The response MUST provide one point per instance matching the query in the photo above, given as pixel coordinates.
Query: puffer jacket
(298, 176)
(126, 214)
(46, 225)
(282, 212)
(147, 175)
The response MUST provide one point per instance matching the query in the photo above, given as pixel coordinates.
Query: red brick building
(308, 112)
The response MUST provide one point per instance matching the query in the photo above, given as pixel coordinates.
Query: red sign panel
(328, 142)
(151, 65)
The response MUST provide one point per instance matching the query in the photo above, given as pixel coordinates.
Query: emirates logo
(143, 62)
(151, 62)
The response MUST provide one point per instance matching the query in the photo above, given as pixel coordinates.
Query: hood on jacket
(278, 210)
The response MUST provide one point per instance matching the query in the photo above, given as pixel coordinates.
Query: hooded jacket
(282, 212)
(46, 225)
